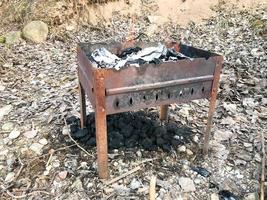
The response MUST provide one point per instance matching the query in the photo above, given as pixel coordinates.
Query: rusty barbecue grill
(113, 91)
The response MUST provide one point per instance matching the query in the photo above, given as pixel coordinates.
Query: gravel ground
(38, 86)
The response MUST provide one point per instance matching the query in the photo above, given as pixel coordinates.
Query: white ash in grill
(135, 56)
(130, 130)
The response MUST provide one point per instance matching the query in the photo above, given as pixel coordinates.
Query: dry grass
(15, 13)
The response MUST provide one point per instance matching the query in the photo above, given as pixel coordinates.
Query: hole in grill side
(131, 101)
(169, 95)
(192, 91)
(117, 103)
(203, 89)
(92, 90)
(157, 97)
(144, 97)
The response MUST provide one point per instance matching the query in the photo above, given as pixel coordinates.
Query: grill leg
(163, 112)
(82, 106)
(215, 86)
(209, 125)
(101, 125)
(102, 145)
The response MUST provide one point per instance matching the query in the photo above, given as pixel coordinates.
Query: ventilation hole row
(117, 102)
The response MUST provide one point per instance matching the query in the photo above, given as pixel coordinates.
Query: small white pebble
(14, 134)
(182, 148)
(43, 141)
(9, 177)
(197, 181)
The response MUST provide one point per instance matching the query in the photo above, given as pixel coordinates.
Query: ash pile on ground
(133, 129)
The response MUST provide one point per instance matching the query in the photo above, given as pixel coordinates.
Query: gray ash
(135, 56)
(133, 129)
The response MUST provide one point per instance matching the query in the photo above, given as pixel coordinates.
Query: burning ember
(135, 56)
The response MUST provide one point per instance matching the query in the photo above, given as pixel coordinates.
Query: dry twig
(152, 188)
(49, 153)
(80, 146)
(20, 169)
(122, 176)
(2, 59)
(77, 143)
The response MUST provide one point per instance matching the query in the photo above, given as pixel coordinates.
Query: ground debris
(39, 92)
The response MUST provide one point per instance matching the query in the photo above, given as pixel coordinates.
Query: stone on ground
(189, 152)
(8, 126)
(214, 196)
(182, 148)
(222, 135)
(78, 185)
(30, 134)
(63, 174)
(14, 134)
(35, 31)
(135, 184)
(187, 184)
(37, 148)
(4, 111)
(43, 141)
(13, 37)
(121, 190)
(10, 176)
(252, 196)
(65, 130)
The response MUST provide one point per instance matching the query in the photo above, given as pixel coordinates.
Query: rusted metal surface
(85, 74)
(82, 106)
(101, 124)
(151, 73)
(156, 97)
(131, 88)
(163, 112)
(214, 90)
(158, 85)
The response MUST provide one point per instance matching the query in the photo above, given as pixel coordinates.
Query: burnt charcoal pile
(133, 129)
(135, 56)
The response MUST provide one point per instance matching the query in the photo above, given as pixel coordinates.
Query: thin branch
(52, 151)
(80, 146)
(122, 176)
(77, 143)
(129, 172)
(152, 188)
(59, 149)
(20, 169)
